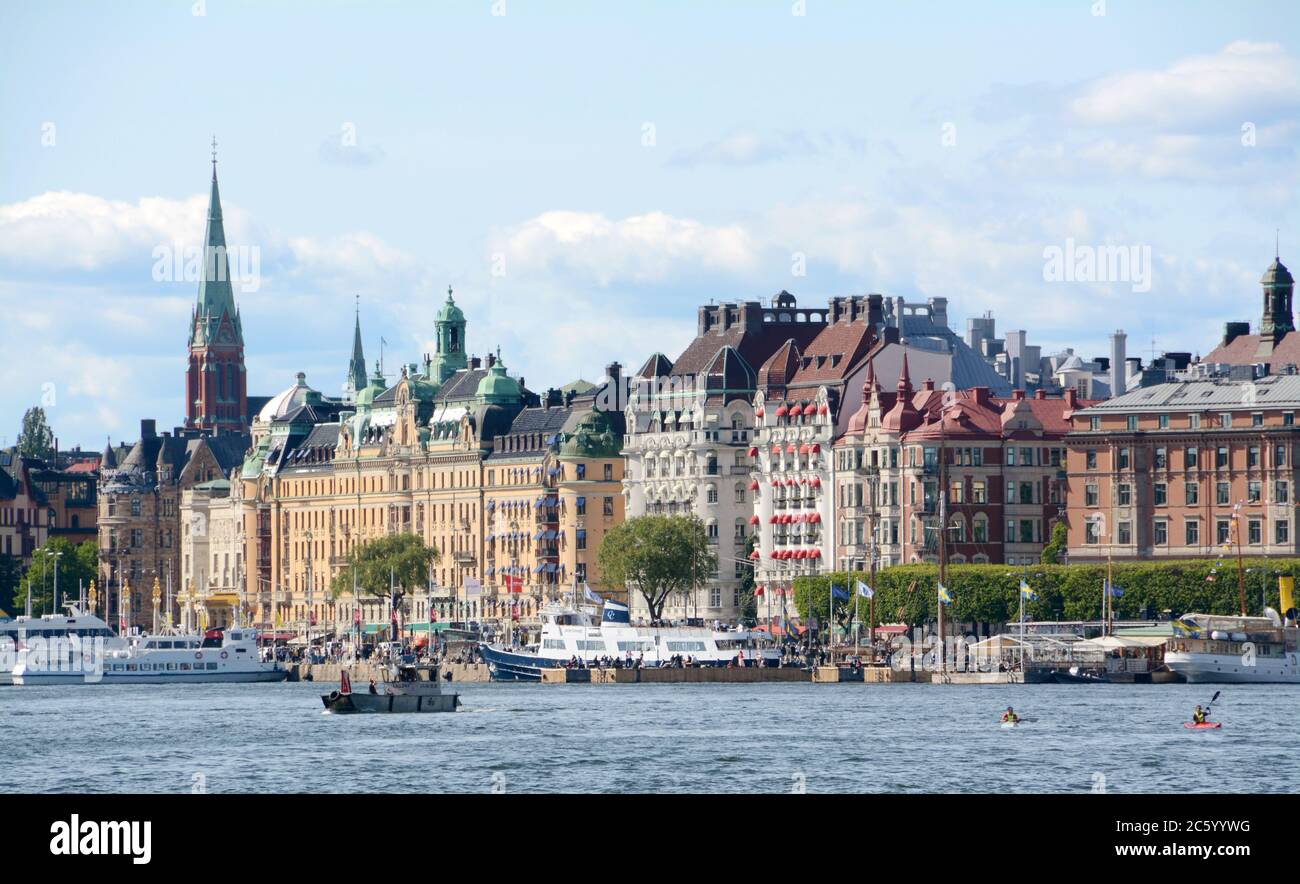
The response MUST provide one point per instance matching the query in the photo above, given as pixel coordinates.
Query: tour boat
(1209, 648)
(569, 633)
(16, 633)
(216, 656)
(414, 688)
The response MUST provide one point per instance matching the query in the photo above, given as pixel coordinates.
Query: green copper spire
(356, 381)
(449, 333)
(216, 296)
(498, 388)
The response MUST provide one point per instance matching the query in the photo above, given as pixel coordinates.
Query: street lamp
(55, 554)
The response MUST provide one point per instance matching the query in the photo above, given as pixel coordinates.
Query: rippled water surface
(651, 738)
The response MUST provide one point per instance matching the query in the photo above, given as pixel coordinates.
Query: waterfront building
(44, 499)
(458, 451)
(690, 427)
(138, 520)
(1179, 470)
(1004, 459)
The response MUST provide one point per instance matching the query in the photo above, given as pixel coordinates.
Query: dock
(686, 675)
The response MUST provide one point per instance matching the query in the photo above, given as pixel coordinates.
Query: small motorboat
(1202, 725)
(413, 688)
(1079, 675)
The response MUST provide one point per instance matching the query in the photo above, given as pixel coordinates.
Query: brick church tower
(216, 384)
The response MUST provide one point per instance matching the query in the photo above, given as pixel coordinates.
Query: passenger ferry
(20, 630)
(1209, 648)
(216, 656)
(568, 633)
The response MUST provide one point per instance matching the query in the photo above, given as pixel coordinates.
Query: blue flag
(944, 597)
(837, 593)
(1114, 591)
(1026, 593)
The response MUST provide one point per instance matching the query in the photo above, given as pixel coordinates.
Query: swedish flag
(1026, 593)
(944, 597)
(1186, 628)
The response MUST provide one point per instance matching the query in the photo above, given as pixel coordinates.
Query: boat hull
(506, 665)
(1231, 669)
(62, 678)
(345, 704)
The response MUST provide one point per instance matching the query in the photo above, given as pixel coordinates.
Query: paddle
(1211, 703)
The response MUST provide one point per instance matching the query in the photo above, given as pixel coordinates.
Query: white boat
(217, 656)
(15, 633)
(1209, 648)
(570, 633)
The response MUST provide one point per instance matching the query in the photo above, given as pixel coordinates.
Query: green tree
(658, 555)
(748, 602)
(1056, 546)
(36, 439)
(402, 559)
(9, 572)
(77, 566)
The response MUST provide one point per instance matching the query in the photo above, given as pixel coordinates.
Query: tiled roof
(1244, 350)
(463, 384)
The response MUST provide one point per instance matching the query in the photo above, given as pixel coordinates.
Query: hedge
(991, 593)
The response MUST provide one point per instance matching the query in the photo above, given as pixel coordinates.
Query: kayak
(1009, 724)
(1204, 726)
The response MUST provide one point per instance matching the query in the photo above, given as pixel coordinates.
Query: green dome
(366, 395)
(450, 312)
(498, 386)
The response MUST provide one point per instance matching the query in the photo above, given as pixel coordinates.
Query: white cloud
(1244, 81)
(640, 248)
(745, 147)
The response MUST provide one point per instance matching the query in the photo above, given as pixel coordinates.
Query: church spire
(216, 296)
(356, 381)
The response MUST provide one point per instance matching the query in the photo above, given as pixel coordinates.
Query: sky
(584, 175)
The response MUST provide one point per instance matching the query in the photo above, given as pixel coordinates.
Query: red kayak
(1203, 726)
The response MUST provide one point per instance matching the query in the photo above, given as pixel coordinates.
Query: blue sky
(586, 173)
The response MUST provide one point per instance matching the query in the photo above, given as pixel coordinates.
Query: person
(373, 689)
(1199, 715)
(1010, 716)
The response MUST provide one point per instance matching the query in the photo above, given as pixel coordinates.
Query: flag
(1114, 591)
(589, 595)
(758, 590)
(944, 597)
(1026, 593)
(1186, 628)
(837, 593)
(865, 591)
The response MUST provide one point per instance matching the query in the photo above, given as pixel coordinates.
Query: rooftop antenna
(214, 155)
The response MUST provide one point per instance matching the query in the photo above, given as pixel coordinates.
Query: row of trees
(991, 593)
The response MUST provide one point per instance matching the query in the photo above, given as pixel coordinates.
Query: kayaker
(1010, 717)
(1200, 716)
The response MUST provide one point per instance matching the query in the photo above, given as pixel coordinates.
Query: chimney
(1071, 399)
(475, 362)
(491, 360)
(1118, 363)
(1040, 393)
(148, 429)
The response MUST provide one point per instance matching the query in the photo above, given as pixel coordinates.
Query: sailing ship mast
(943, 539)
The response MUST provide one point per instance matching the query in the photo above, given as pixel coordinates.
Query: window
(980, 529)
(1282, 491)
(1091, 531)
(1257, 419)
(1222, 493)
(1092, 460)
(1090, 495)
(1190, 457)
(1254, 532)
(1192, 532)
(1124, 495)
(135, 506)
(1253, 492)
(1225, 421)
(1222, 531)
(1094, 423)
(1160, 534)
(1124, 533)
(1164, 421)
(1288, 419)
(609, 506)
(1252, 456)
(713, 494)
(609, 472)
(1160, 494)
(1192, 492)
(1132, 423)
(1123, 459)
(1011, 456)
(1282, 531)
(1221, 456)
(1279, 456)
(978, 493)
(1193, 422)
(1161, 459)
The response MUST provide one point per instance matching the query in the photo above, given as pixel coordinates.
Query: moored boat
(1212, 649)
(571, 634)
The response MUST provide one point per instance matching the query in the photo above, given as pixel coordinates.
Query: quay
(684, 675)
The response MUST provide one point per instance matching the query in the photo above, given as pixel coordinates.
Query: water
(651, 738)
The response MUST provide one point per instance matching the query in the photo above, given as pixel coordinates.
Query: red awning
(753, 451)
(810, 409)
(753, 520)
(753, 486)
